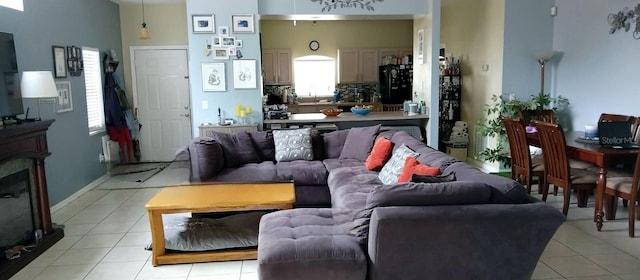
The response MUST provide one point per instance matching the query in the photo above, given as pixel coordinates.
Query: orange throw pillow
(412, 166)
(380, 154)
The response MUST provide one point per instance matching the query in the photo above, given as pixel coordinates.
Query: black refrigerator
(395, 83)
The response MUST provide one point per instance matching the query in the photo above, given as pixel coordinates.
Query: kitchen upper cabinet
(277, 66)
(396, 53)
(357, 65)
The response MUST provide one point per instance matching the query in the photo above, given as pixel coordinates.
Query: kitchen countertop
(347, 117)
(334, 103)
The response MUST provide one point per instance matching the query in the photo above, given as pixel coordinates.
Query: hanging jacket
(112, 110)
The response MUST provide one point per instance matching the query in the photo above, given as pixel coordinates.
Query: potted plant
(491, 125)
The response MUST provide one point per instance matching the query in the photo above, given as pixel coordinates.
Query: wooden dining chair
(605, 117)
(636, 130)
(625, 187)
(522, 167)
(392, 107)
(556, 166)
(536, 115)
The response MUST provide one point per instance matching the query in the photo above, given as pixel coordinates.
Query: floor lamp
(543, 58)
(38, 84)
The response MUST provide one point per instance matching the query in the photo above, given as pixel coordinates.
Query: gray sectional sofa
(349, 225)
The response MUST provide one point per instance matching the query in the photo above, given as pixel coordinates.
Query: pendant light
(144, 31)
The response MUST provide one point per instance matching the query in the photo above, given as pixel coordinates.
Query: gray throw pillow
(433, 179)
(334, 142)
(207, 159)
(293, 144)
(359, 142)
(418, 194)
(391, 170)
(238, 148)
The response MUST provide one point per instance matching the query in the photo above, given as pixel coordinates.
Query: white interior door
(162, 100)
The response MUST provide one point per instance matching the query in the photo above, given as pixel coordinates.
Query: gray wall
(597, 71)
(93, 23)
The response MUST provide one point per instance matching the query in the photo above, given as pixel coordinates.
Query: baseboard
(487, 167)
(80, 192)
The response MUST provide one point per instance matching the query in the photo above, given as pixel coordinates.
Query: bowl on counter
(331, 112)
(360, 111)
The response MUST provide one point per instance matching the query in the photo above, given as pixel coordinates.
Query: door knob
(186, 107)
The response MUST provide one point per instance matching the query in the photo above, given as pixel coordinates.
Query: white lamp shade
(38, 84)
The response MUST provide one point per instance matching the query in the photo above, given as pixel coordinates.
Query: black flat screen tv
(10, 95)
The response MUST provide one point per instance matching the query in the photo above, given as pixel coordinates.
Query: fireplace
(24, 199)
(17, 224)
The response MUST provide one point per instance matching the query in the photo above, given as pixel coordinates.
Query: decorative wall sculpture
(328, 5)
(624, 19)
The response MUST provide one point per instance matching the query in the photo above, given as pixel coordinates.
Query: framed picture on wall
(203, 23)
(242, 23)
(65, 100)
(59, 62)
(228, 41)
(220, 53)
(213, 77)
(244, 73)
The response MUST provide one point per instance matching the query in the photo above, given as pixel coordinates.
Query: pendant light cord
(143, 21)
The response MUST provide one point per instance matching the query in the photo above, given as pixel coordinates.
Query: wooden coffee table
(212, 198)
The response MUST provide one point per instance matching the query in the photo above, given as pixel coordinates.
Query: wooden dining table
(603, 157)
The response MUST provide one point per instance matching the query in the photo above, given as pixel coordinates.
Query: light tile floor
(106, 231)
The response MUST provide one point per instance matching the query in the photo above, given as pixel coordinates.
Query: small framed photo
(238, 43)
(213, 77)
(231, 51)
(228, 41)
(203, 23)
(217, 41)
(244, 73)
(59, 61)
(223, 30)
(242, 23)
(65, 100)
(220, 53)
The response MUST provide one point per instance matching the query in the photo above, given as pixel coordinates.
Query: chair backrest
(604, 117)
(520, 155)
(554, 153)
(392, 107)
(636, 130)
(536, 115)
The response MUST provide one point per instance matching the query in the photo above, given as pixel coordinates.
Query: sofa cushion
(309, 244)
(263, 142)
(359, 142)
(412, 166)
(433, 179)
(207, 158)
(403, 137)
(251, 172)
(504, 190)
(333, 143)
(317, 144)
(293, 144)
(349, 186)
(302, 172)
(435, 158)
(392, 169)
(380, 154)
(333, 163)
(238, 148)
(418, 194)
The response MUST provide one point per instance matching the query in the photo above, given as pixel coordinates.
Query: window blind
(93, 84)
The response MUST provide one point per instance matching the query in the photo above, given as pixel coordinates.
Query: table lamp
(38, 84)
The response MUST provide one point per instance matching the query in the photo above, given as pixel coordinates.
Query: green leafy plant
(491, 125)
